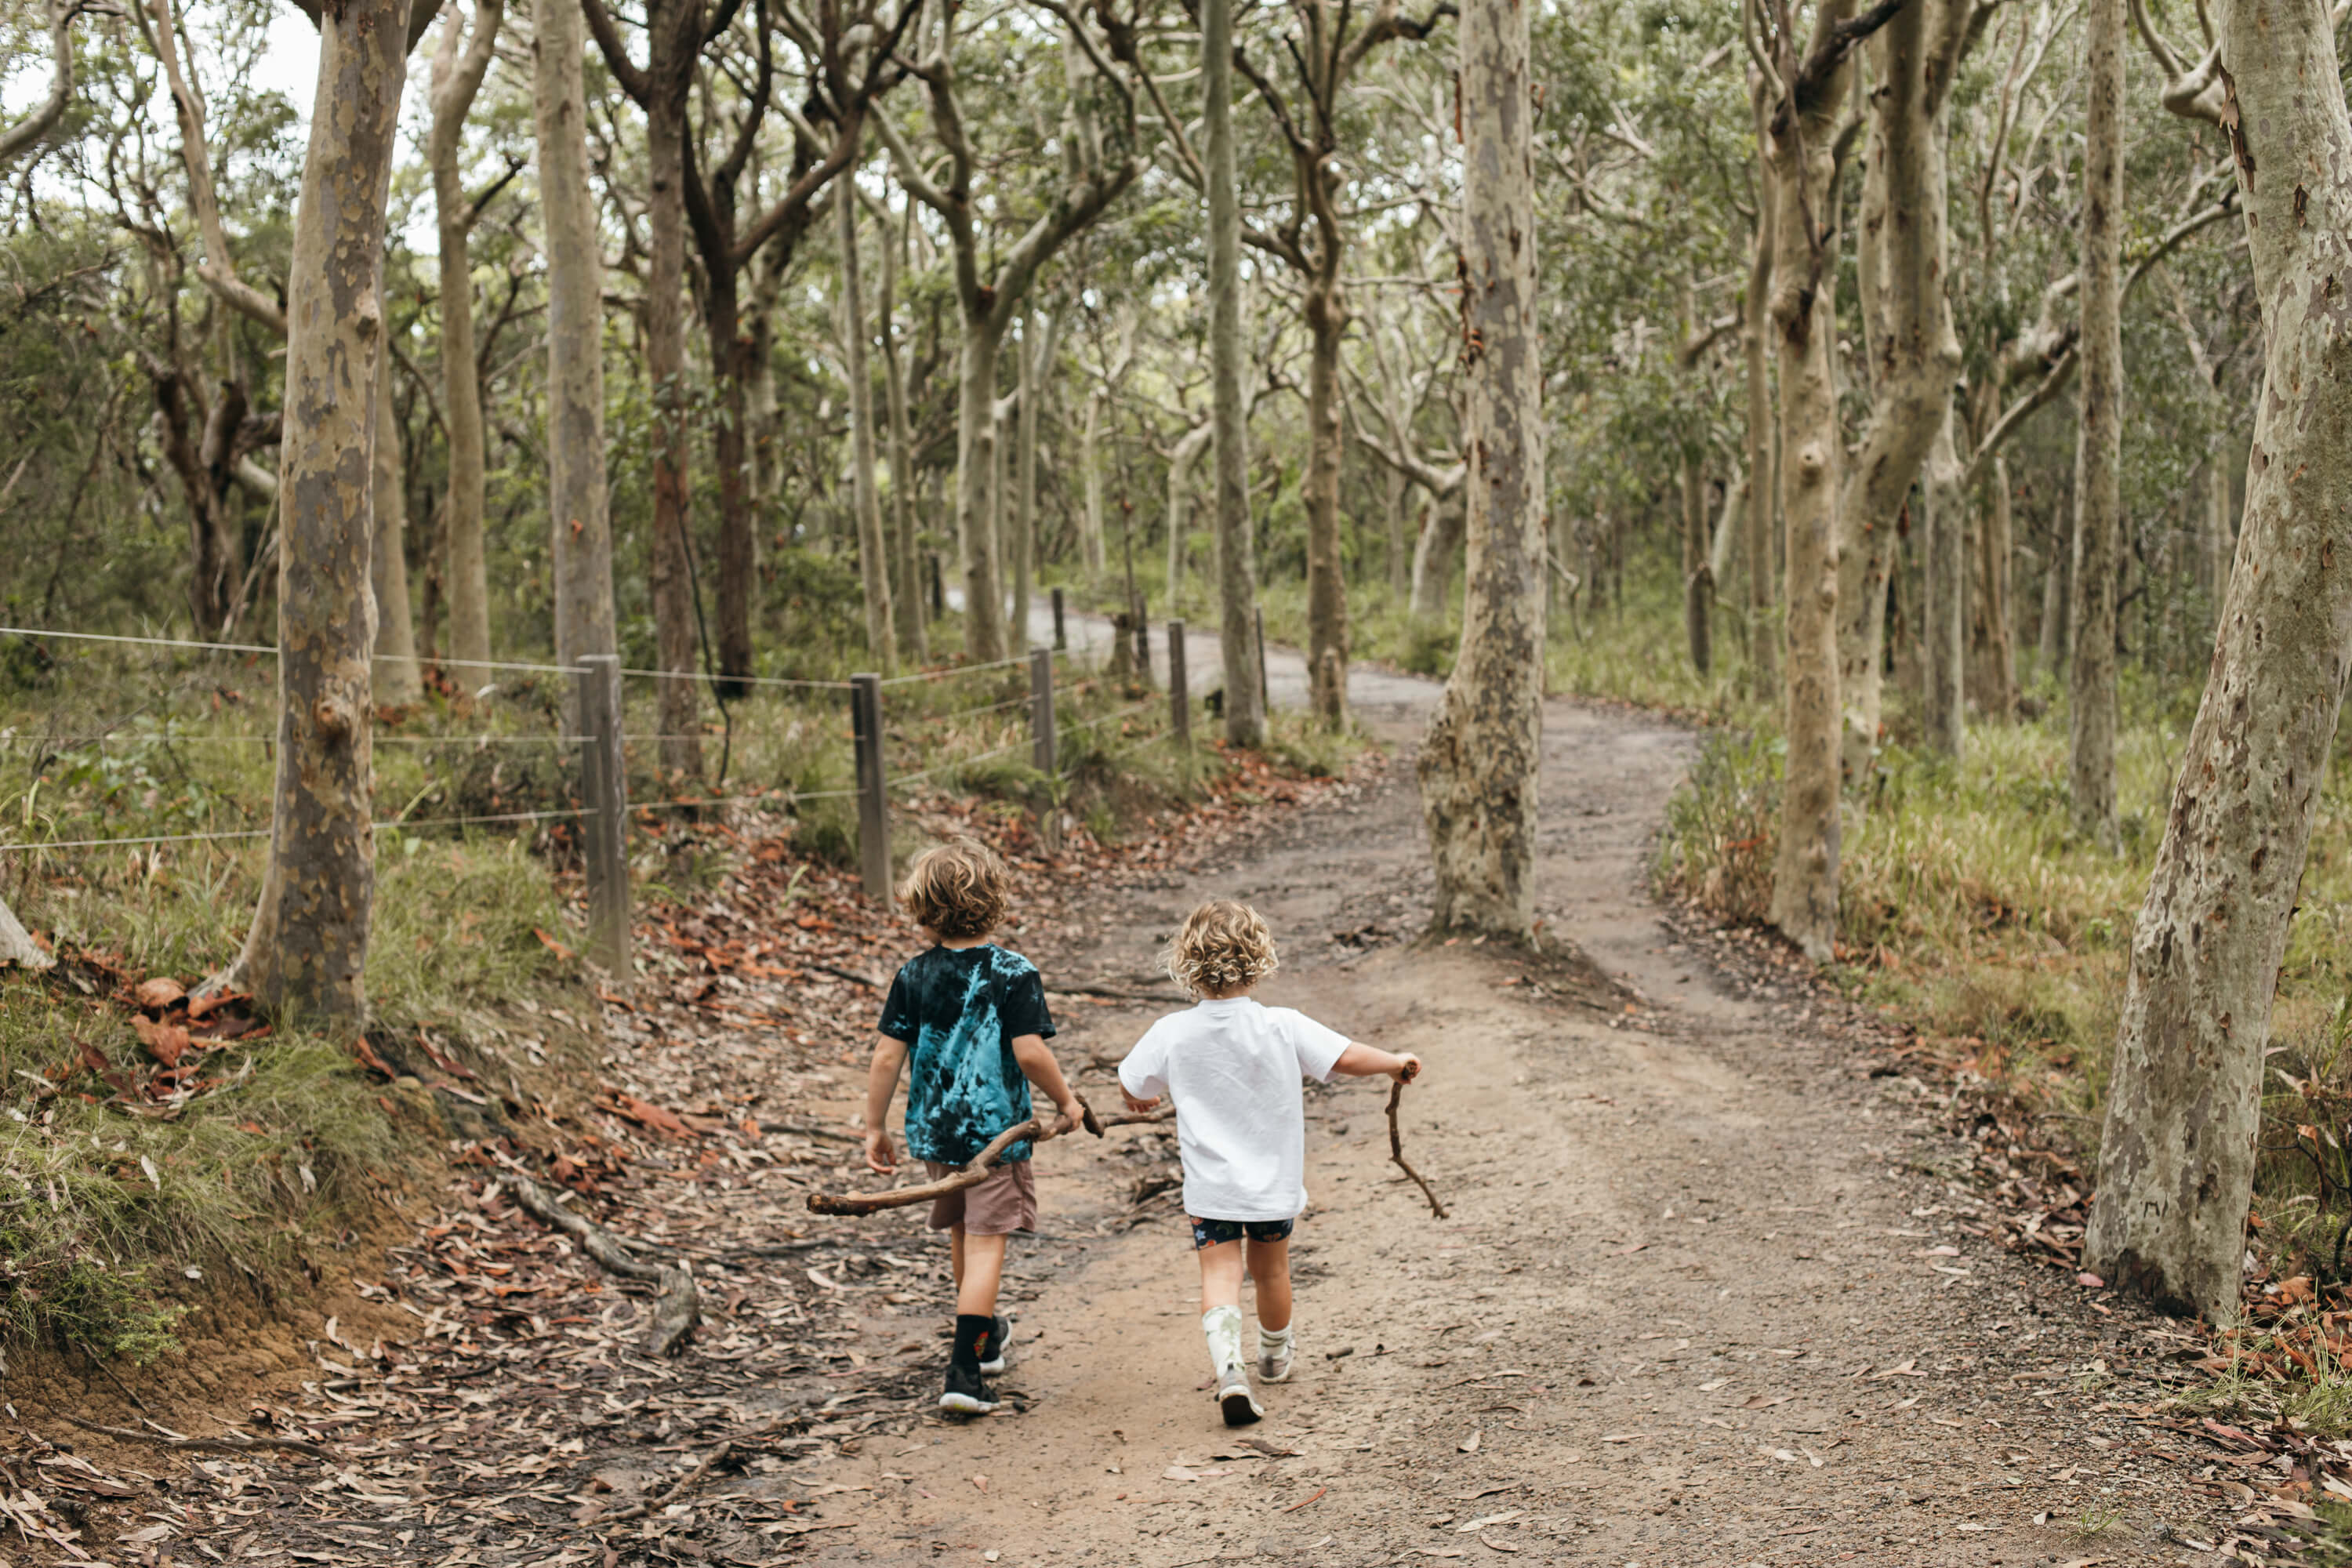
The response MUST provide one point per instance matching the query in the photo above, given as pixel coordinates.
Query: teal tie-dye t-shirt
(959, 1010)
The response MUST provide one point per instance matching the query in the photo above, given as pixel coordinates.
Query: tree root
(1034, 1130)
(206, 1445)
(678, 1305)
(1396, 1151)
(691, 1480)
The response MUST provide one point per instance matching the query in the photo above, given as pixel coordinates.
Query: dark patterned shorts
(1215, 1232)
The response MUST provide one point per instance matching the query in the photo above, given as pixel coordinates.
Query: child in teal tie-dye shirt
(966, 1021)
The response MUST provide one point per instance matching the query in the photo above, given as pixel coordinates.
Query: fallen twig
(691, 1480)
(208, 1444)
(1396, 1151)
(678, 1305)
(1034, 1130)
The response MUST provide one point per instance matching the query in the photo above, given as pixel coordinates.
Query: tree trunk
(1944, 616)
(1327, 583)
(1480, 760)
(1995, 661)
(1090, 464)
(736, 567)
(2176, 1158)
(906, 585)
(976, 468)
(2098, 453)
(306, 953)
(2057, 592)
(1038, 336)
(457, 77)
(397, 681)
(671, 572)
(1755, 333)
(2219, 545)
(873, 546)
(1229, 415)
(1181, 458)
(1800, 161)
(1432, 556)
(1914, 355)
(1399, 495)
(578, 502)
(1698, 577)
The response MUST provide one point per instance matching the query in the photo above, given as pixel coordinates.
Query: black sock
(974, 1331)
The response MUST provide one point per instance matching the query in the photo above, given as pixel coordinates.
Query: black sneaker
(965, 1393)
(1000, 1354)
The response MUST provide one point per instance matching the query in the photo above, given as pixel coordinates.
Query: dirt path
(1698, 1298)
(1703, 1295)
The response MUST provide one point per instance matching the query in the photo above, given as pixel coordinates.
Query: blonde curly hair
(1222, 947)
(956, 889)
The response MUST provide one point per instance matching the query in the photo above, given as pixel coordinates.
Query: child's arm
(1361, 1060)
(881, 1083)
(1038, 1066)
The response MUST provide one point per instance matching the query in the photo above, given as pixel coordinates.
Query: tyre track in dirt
(1702, 1296)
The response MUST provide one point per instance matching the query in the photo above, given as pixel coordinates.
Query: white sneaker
(1233, 1396)
(1274, 1356)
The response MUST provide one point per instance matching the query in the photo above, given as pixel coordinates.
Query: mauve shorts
(1003, 1203)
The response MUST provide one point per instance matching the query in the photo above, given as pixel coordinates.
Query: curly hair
(956, 889)
(1222, 947)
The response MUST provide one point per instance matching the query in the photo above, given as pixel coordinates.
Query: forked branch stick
(1034, 1130)
(1396, 1150)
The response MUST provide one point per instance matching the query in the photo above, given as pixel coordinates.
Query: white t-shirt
(1234, 1067)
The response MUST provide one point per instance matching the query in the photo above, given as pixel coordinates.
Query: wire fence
(591, 720)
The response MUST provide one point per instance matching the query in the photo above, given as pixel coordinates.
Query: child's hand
(879, 1155)
(1138, 1106)
(1073, 1116)
(1408, 1069)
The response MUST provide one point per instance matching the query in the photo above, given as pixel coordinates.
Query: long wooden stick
(678, 1305)
(1396, 1150)
(205, 1445)
(1034, 1130)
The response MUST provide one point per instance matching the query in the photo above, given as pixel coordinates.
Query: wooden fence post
(1041, 705)
(938, 588)
(604, 831)
(873, 787)
(1061, 632)
(1180, 702)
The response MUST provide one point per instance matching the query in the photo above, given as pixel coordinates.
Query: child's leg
(1269, 1265)
(1221, 1276)
(955, 1256)
(979, 1268)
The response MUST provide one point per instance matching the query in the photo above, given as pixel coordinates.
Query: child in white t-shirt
(1234, 1067)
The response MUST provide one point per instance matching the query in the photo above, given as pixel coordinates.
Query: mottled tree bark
(1698, 572)
(1944, 616)
(873, 546)
(578, 502)
(1181, 458)
(1800, 159)
(1914, 354)
(906, 565)
(459, 65)
(2098, 452)
(2176, 1157)
(1480, 760)
(1236, 529)
(398, 680)
(1327, 583)
(306, 953)
(1755, 335)
(1091, 465)
(1038, 337)
(1996, 617)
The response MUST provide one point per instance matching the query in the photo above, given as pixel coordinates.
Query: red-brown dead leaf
(553, 946)
(159, 992)
(652, 1117)
(205, 1006)
(167, 1043)
(365, 1054)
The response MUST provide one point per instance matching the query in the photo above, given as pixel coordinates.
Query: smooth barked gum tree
(1228, 417)
(579, 507)
(306, 952)
(1480, 759)
(2176, 1157)
(459, 64)
(873, 548)
(1100, 163)
(2098, 453)
(1805, 95)
(1325, 52)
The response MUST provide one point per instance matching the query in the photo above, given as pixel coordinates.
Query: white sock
(1221, 1326)
(1273, 1342)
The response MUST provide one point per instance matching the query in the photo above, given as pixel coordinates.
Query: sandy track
(1700, 1298)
